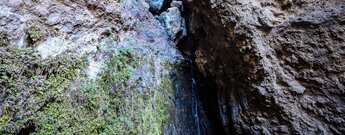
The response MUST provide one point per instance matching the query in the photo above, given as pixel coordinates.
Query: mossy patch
(35, 34)
(56, 96)
(3, 39)
(29, 83)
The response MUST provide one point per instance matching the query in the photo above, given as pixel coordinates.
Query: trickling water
(195, 99)
(188, 112)
(200, 121)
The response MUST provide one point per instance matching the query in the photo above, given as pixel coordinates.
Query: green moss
(54, 96)
(29, 83)
(3, 39)
(35, 34)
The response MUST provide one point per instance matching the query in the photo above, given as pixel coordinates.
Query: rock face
(276, 66)
(90, 67)
(111, 66)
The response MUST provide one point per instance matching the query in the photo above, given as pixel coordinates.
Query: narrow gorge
(173, 67)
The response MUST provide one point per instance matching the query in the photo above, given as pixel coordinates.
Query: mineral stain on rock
(172, 67)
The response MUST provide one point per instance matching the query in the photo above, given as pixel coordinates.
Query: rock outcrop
(276, 66)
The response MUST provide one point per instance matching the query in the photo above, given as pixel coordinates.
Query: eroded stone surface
(278, 66)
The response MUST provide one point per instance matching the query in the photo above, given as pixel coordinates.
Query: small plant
(35, 34)
(3, 39)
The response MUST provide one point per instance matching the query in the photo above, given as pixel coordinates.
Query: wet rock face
(277, 66)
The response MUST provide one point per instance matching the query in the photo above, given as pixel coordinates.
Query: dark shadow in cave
(207, 89)
(207, 92)
(26, 131)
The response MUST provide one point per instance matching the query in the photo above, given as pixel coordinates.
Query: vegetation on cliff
(55, 96)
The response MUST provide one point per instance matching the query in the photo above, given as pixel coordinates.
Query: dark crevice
(209, 97)
(165, 6)
(207, 91)
(207, 114)
(218, 50)
(29, 129)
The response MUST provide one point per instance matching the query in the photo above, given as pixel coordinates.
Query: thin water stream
(188, 114)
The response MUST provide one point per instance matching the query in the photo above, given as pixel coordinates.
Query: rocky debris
(276, 67)
(174, 24)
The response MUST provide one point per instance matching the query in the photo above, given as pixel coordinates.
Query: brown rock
(281, 62)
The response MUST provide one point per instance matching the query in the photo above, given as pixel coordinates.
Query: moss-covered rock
(48, 87)
(53, 96)
(28, 83)
(3, 38)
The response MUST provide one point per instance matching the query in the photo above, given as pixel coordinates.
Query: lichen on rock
(29, 83)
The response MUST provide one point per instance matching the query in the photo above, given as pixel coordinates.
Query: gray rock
(178, 4)
(54, 19)
(174, 23)
(156, 5)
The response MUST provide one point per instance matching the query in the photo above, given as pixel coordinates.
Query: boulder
(174, 24)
